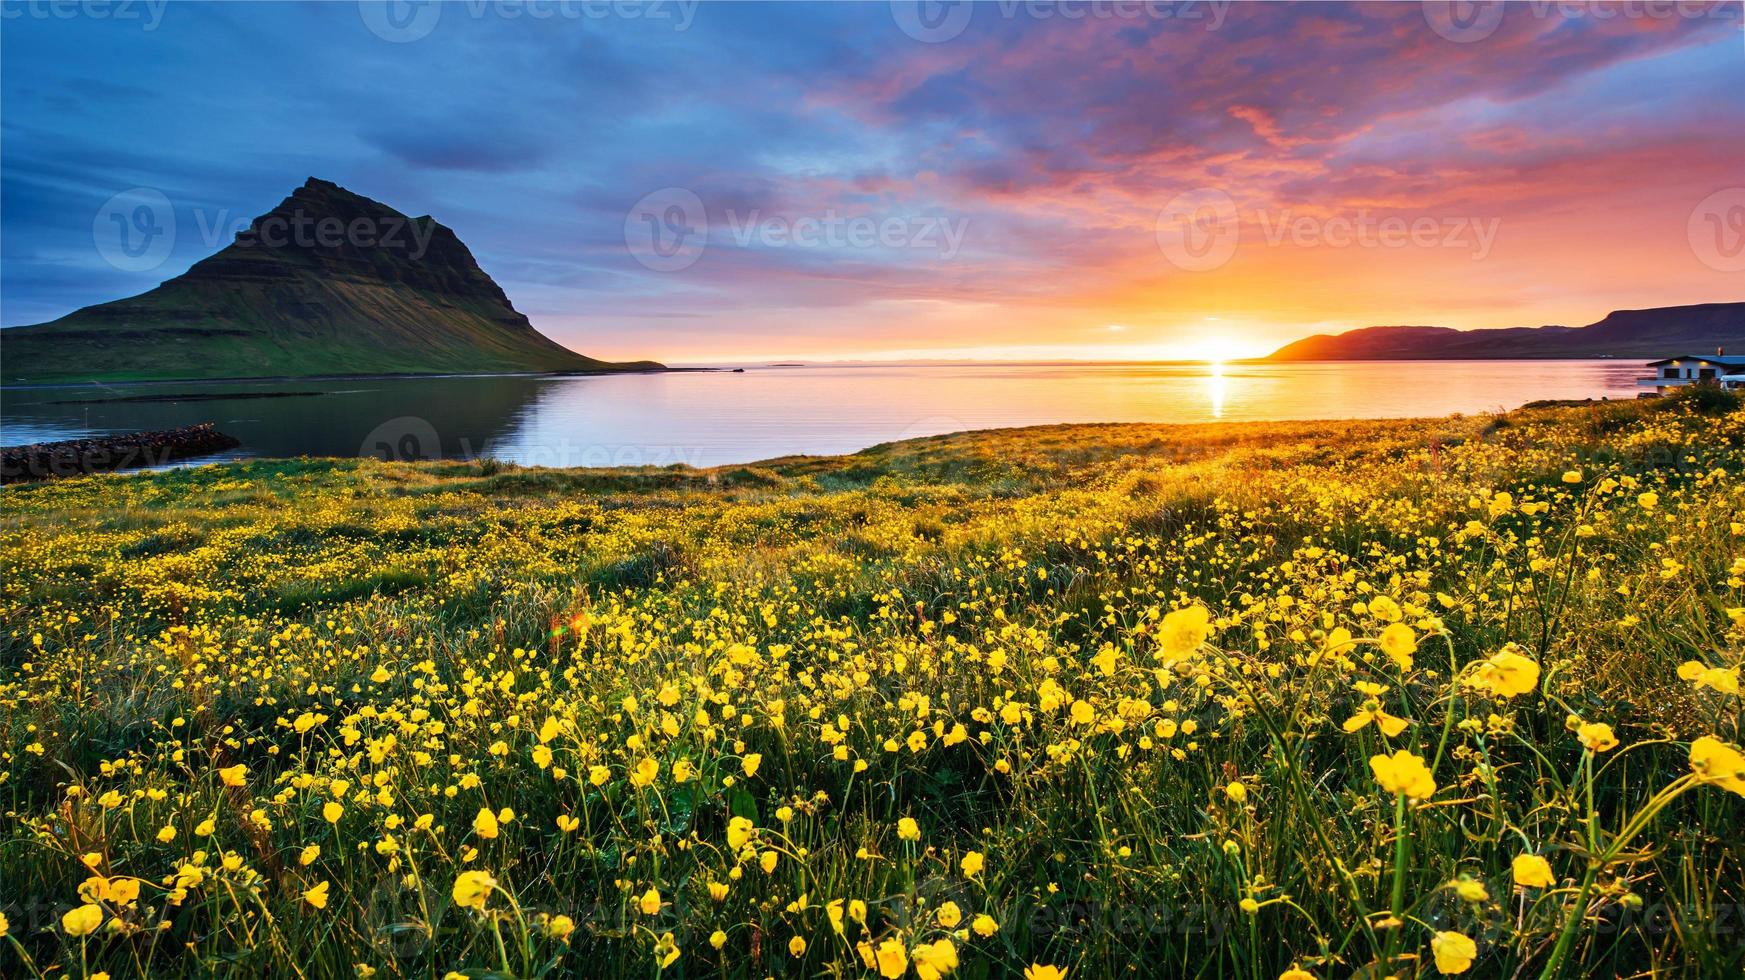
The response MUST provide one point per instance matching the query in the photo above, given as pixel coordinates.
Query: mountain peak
(328, 282)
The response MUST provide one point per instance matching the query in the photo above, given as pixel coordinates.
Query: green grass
(424, 633)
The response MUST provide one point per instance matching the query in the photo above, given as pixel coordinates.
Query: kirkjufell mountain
(377, 292)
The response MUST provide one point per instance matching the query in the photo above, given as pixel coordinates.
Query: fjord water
(708, 418)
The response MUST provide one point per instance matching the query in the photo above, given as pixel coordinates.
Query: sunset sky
(902, 180)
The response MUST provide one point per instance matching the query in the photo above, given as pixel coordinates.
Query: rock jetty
(102, 454)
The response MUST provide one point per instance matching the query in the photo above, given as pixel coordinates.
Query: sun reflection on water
(1216, 387)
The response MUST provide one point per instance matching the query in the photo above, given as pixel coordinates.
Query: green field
(1382, 698)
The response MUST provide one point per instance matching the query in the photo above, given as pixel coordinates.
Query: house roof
(1729, 360)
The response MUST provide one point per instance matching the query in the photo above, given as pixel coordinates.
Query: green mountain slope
(327, 283)
(1660, 332)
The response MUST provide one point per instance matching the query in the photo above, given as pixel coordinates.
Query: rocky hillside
(1623, 333)
(327, 283)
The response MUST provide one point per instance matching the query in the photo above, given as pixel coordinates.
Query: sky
(715, 182)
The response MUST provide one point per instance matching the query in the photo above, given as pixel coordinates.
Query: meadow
(1391, 698)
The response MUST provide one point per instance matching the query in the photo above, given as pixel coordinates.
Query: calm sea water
(711, 418)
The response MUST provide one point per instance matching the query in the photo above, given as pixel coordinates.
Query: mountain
(1651, 333)
(327, 283)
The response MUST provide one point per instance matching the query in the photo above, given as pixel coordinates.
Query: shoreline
(378, 376)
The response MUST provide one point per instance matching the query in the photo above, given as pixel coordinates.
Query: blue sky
(1020, 167)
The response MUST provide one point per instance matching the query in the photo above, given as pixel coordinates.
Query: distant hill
(1623, 333)
(381, 294)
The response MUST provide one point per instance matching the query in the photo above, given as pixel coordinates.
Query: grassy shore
(1394, 697)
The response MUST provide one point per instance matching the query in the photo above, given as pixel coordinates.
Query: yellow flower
(1399, 642)
(1533, 871)
(1470, 890)
(1508, 674)
(666, 950)
(1649, 500)
(717, 939)
(542, 756)
(767, 860)
(1572, 476)
(559, 927)
(309, 855)
(645, 772)
(949, 915)
(892, 958)
(750, 763)
(317, 896)
(1296, 973)
(1453, 951)
(485, 824)
(718, 891)
(796, 946)
(1181, 633)
(166, 834)
(984, 925)
(1373, 712)
(739, 831)
(972, 863)
(472, 888)
(1037, 971)
(1597, 737)
(234, 776)
(1702, 675)
(649, 903)
(1717, 762)
(935, 959)
(5, 925)
(1237, 793)
(908, 829)
(1403, 773)
(82, 921)
(332, 811)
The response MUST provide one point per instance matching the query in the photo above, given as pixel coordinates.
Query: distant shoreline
(392, 376)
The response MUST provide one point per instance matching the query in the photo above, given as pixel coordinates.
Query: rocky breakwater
(103, 454)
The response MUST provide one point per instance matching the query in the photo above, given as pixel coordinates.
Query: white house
(1675, 372)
